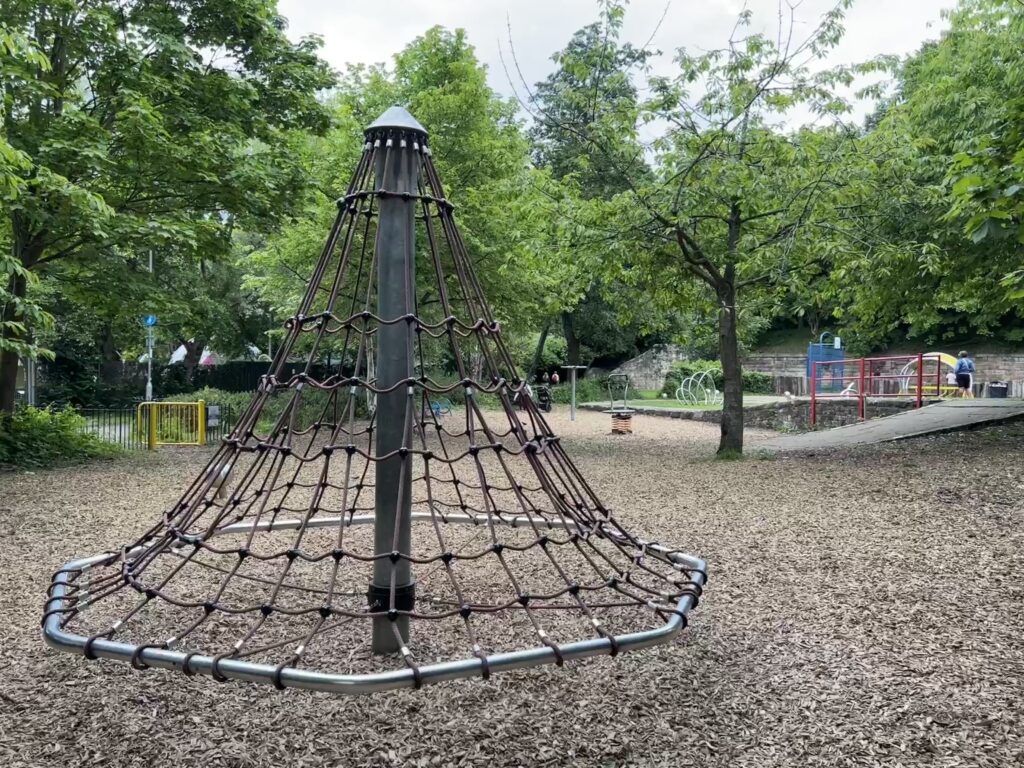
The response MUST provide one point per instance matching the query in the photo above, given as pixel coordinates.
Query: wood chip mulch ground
(864, 609)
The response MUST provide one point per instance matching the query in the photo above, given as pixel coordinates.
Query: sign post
(150, 322)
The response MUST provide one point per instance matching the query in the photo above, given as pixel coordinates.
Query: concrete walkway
(946, 416)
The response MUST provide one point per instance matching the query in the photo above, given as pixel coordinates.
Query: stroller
(544, 398)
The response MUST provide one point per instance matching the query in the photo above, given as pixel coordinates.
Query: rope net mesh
(268, 554)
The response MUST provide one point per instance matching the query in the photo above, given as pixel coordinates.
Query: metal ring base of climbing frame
(163, 658)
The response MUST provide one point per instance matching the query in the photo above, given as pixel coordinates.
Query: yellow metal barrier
(166, 423)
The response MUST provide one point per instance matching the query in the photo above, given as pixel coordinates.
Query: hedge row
(587, 391)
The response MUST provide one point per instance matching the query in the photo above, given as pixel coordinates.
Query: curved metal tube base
(56, 637)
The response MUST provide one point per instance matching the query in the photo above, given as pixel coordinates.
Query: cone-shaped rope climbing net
(354, 535)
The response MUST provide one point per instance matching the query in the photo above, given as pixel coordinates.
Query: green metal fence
(121, 426)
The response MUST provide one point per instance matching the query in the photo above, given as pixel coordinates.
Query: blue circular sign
(149, 321)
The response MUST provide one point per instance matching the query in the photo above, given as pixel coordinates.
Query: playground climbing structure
(377, 527)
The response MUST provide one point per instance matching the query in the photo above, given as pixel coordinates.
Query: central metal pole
(396, 173)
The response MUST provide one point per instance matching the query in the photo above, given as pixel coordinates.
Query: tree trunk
(538, 353)
(8, 357)
(731, 439)
(732, 372)
(193, 354)
(814, 324)
(572, 342)
(110, 361)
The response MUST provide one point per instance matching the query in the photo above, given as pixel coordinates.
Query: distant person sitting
(965, 375)
(554, 379)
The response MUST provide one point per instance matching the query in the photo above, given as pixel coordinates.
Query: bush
(758, 383)
(457, 397)
(587, 391)
(754, 382)
(234, 402)
(65, 381)
(522, 347)
(40, 437)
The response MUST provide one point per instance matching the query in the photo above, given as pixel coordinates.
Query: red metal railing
(874, 377)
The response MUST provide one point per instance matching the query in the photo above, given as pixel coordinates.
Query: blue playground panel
(830, 377)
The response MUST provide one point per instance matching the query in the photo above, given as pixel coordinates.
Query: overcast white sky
(372, 32)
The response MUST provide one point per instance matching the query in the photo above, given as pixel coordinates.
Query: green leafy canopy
(156, 125)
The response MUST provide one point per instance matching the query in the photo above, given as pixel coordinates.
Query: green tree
(978, 70)
(512, 217)
(18, 312)
(592, 89)
(946, 167)
(157, 125)
(733, 203)
(983, 52)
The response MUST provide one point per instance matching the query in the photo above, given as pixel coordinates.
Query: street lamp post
(149, 365)
(150, 322)
(150, 343)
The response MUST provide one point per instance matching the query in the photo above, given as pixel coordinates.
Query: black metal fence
(244, 376)
(114, 425)
(128, 429)
(66, 381)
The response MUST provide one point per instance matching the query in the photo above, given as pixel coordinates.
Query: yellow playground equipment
(164, 423)
(936, 379)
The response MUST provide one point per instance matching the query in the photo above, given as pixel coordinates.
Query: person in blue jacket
(964, 371)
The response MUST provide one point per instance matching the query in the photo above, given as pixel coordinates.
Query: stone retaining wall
(777, 365)
(1000, 367)
(648, 371)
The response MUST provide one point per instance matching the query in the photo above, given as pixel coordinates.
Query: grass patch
(648, 394)
(672, 403)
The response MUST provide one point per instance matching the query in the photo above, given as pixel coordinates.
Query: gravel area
(865, 608)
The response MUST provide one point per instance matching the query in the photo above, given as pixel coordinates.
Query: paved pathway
(946, 416)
